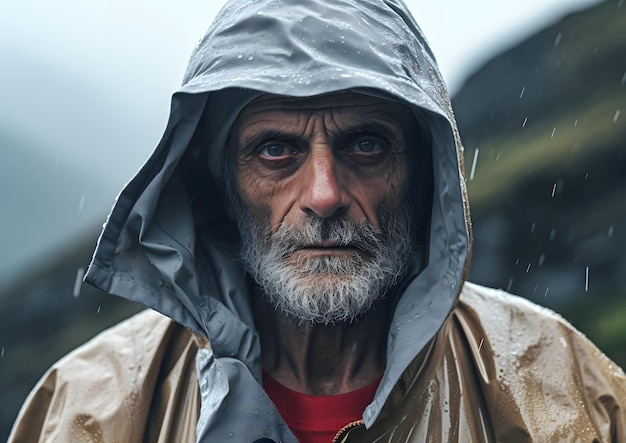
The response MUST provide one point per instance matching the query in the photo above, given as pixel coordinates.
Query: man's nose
(323, 191)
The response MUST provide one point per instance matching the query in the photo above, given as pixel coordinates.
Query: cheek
(261, 196)
(247, 186)
(391, 187)
(396, 181)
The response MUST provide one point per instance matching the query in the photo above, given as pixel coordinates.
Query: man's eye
(274, 150)
(366, 146)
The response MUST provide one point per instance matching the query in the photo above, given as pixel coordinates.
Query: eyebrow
(373, 128)
(366, 128)
(256, 139)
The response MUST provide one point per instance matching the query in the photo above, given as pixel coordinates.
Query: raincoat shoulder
(134, 382)
(503, 369)
(542, 379)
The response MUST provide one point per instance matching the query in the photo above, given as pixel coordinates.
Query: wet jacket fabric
(464, 363)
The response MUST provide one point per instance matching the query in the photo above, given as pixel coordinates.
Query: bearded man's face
(320, 195)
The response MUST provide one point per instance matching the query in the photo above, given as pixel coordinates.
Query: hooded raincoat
(464, 363)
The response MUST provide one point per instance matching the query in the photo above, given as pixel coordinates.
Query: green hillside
(544, 127)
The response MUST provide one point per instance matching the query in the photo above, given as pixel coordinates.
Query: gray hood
(169, 244)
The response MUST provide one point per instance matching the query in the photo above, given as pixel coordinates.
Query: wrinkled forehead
(349, 105)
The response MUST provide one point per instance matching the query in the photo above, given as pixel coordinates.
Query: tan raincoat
(464, 363)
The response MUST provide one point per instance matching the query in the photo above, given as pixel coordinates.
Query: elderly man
(302, 231)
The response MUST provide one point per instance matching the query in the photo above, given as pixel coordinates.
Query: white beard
(327, 289)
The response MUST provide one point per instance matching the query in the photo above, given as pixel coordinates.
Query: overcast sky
(77, 33)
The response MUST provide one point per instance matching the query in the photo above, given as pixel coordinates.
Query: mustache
(338, 232)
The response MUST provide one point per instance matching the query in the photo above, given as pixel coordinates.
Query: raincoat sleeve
(135, 382)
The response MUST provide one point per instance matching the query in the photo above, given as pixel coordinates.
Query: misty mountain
(548, 104)
(46, 204)
(544, 127)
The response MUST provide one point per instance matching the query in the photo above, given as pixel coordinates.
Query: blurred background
(539, 91)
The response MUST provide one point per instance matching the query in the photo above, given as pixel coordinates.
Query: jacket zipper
(346, 428)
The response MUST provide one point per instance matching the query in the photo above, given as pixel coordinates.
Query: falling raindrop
(98, 311)
(498, 156)
(240, 56)
(251, 58)
(553, 190)
(610, 233)
(532, 227)
(78, 281)
(616, 116)
(576, 123)
(542, 258)
(474, 164)
(552, 234)
(557, 40)
(81, 203)
(2, 352)
(623, 78)
(524, 123)
(553, 131)
(521, 94)
(587, 279)
(509, 285)
(546, 293)
(528, 268)
(480, 346)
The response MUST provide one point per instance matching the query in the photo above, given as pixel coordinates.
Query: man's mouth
(322, 245)
(329, 249)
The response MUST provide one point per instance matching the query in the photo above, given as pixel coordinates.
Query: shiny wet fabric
(133, 383)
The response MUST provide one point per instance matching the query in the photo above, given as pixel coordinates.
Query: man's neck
(319, 359)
